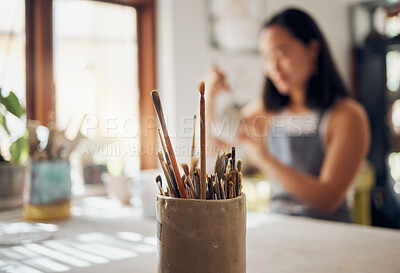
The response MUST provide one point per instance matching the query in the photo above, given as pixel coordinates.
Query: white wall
(185, 55)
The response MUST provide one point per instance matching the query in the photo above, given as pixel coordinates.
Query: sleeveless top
(297, 141)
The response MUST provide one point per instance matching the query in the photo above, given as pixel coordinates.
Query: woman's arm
(215, 83)
(347, 143)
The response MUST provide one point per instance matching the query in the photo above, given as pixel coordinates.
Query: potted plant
(14, 151)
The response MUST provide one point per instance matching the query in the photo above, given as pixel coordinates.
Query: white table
(113, 239)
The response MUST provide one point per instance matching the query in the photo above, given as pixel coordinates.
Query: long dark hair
(326, 86)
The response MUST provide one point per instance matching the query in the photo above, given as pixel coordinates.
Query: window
(12, 47)
(96, 71)
(76, 61)
(12, 60)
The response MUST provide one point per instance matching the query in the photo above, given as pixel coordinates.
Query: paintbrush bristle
(160, 156)
(158, 178)
(185, 168)
(201, 88)
(239, 165)
(156, 98)
(219, 167)
(194, 161)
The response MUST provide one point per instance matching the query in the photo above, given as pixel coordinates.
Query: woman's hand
(215, 82)
(253, 133)
(257, 150)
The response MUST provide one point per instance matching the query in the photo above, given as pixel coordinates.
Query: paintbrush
(159, 110)
(192, 157)
(233, 159)
(193, 165)
(189, 187)
(216, 187)
(226, 185)
(220, 165)
(221, 187)
(185, 168)
(196, 183)
(159, 183)
(239, 165)
(216, 162)
(189, 193)
(230, 189)
(229, 166)
(202, 141)
(234, 173)
(234, 181)
(227, 158)
(166, 174)
(210, 188)
(169, 165)
(240, 178)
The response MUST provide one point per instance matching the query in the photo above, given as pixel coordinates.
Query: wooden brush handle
(181, 188)
(159, 110)
(194, 137)
(158, 107)
(167, 174)
(170, 182)
(202, 149)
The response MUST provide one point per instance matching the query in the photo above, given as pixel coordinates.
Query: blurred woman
(306, 133)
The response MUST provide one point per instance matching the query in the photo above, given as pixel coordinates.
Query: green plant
(19, 148)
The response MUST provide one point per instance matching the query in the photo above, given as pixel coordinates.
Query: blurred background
(97, 61)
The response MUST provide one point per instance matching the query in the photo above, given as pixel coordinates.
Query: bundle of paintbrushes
(224, 183)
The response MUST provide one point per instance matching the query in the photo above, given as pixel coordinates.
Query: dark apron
(305, 153)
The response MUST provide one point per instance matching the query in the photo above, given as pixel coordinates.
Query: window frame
(40, 89)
